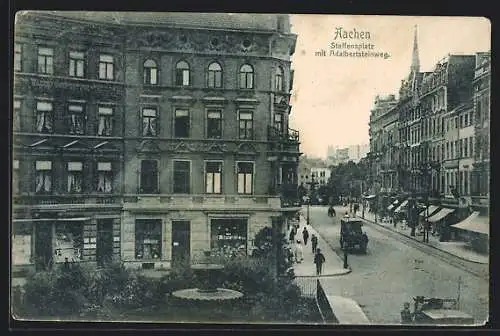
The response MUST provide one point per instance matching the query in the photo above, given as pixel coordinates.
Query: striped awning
(475, 223)
(440, 215)
(432, 209)
(401, 206)
(390, 207)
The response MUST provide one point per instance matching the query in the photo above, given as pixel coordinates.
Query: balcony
(201, 202)
(35, 201)
(288, 193)
(289, 135)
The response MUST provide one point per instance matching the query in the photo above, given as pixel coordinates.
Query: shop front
(229, 236)
(477, 230)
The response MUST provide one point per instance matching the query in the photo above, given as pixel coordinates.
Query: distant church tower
(415, 61)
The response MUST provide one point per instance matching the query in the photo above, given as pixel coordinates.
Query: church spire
(415, 61)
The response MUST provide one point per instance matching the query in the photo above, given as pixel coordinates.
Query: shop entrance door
(43, 245)
(181, 242)
(104, 248)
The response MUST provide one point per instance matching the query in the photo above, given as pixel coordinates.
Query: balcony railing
(288, 135)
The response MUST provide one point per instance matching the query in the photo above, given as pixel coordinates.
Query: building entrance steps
(333, 265)
(458, 249)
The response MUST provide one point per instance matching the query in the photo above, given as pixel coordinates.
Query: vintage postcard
(250, 168)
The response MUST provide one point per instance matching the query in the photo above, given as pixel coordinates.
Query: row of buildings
(432, 142)
(149, 137)
(355, 153)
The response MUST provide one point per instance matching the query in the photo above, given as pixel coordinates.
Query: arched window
(182, 74)
(150, 72)
(246, 77)
(214, 75)
(278, 83)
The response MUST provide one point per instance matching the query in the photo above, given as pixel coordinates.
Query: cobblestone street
(393, 272)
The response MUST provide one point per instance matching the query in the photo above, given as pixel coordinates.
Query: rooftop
(238, 21)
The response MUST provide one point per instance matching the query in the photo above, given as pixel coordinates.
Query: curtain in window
(104, 126)
(74, 183)
(104, 183)
(40, 121)
(43, 181)
(148, 126)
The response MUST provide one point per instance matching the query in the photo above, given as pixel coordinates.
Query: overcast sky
(332, 96)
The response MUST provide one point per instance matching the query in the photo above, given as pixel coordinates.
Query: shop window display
(68, 242)
(229, 236)
(148, 239)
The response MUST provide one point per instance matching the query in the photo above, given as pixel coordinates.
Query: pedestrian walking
(305, 235)
(314, 243)
(319, 260)
(299, 253)
(406, 315)
(291, 237)
(356, 208)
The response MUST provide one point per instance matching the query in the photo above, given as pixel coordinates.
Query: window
(246, 77)
(182, 74)
(150, 72)
(214, 124)
(461, 144)
(466, 183)
(466, 147)
(245, 177)
(457, 149)
(149, 122)
(46, 60)
(43, 180)
(182, 173)
(229, 236)
(148, 239)
(149, 176)
(105, 122)
(278, 82)
(461, 121)
(18, 57)
(447, 151)
(68, 241)
(104, 177)
(214, 75)
(75, 177)
(213, 177)
(106, 68)
(471, 146)
(246, 124)
(76, 64)
(181, 124)
(466, 120)
(76, 119)
(16, 114)
(278, 122)
(44, 117)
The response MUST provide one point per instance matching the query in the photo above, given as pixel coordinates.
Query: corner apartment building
(150, 137)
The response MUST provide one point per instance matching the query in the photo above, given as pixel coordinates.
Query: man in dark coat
(292, 235)
(314, 243)
(305, 235)
(319, 260)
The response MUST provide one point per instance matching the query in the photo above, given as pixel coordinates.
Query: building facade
(150, 137)
(320, 175)
(439, 116)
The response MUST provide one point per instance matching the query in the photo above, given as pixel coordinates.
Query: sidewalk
(458, 249)
(333, 265)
